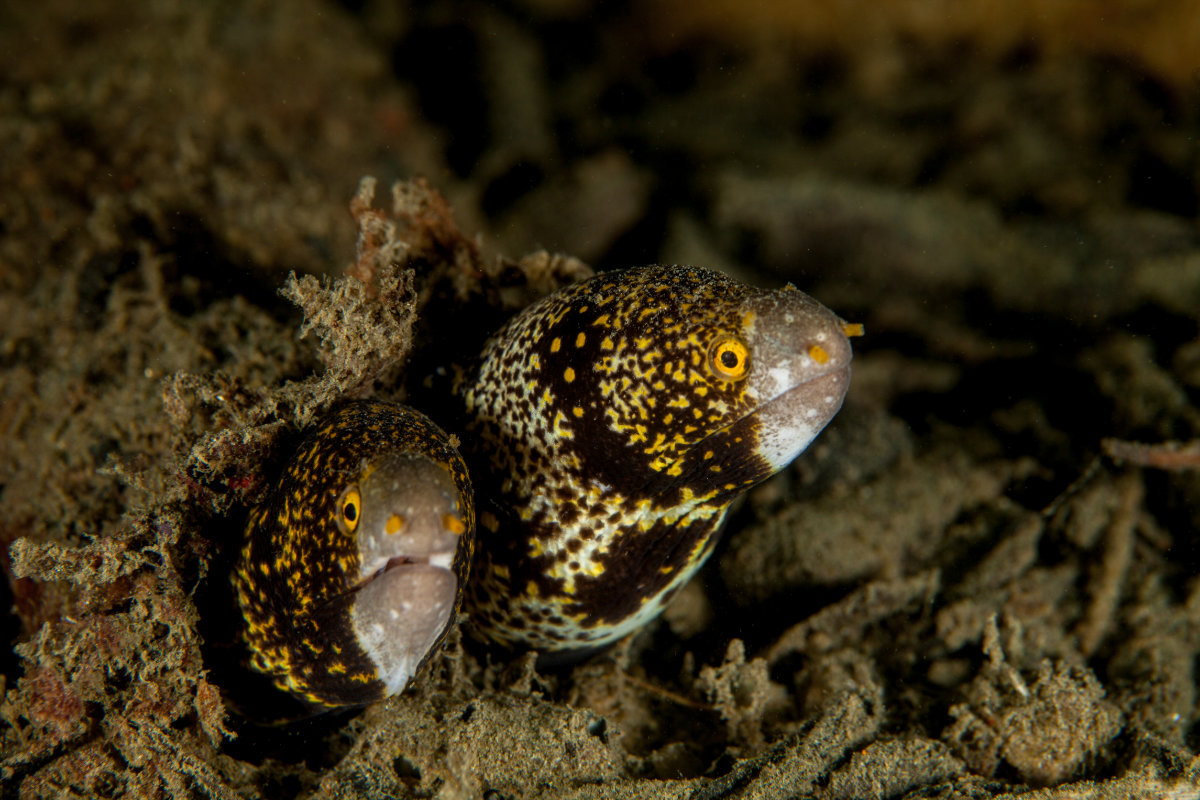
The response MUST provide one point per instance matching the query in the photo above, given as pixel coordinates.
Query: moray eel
(354, 566)
(611, 425)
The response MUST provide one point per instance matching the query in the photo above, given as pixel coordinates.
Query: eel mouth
(442, 560)
(786, 424)
(823, 385)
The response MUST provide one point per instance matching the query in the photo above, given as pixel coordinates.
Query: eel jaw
(399, 615)
(800, 374)
(790, 421)
(407, 589)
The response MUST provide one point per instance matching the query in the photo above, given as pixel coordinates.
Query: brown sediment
(978, 581)
(1167, 455)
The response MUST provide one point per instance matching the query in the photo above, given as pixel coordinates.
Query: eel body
(612, 423)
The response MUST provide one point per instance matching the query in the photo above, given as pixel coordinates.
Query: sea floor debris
(980, 582)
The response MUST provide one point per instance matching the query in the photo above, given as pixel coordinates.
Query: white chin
(399, 615)
(792, 420)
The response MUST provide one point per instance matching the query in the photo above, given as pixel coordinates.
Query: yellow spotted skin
(298, 574)
(611, 426)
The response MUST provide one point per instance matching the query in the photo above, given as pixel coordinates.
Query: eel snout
(411, 525)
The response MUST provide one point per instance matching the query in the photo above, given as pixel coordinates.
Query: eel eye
(349, 508)
(729, 358)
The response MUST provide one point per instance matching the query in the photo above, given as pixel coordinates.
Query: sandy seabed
(979, 582)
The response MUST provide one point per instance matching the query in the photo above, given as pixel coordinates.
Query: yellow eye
(729, 358)
(349, 508)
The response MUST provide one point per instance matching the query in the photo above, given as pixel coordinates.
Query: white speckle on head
(781, 381)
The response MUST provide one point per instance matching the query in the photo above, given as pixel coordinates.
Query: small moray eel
(611, 425)
(354, 566)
